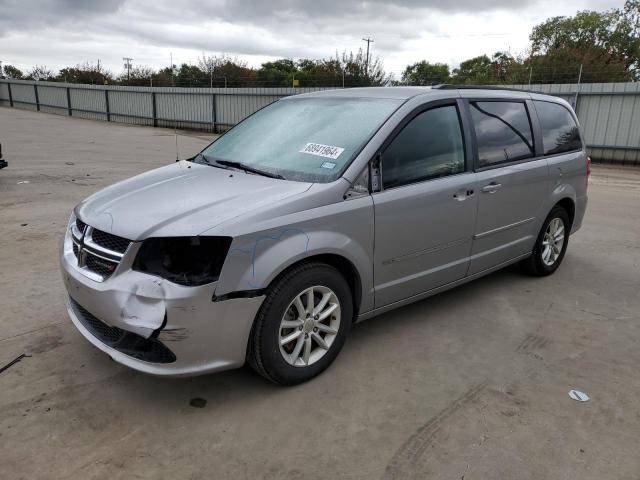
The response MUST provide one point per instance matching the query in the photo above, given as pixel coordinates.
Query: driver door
(425, 213)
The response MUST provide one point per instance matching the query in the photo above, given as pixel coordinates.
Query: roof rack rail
(453, 86)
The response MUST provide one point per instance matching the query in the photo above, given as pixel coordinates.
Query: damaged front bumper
(156, 326)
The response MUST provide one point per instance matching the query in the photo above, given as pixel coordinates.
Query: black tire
(264, 354)
(534, 265)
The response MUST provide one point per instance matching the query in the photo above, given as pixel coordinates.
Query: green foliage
(139, 76)
(277, 74)
(425, 73)
(226, 71)
(12, 72)
(476, 70)
(86, 73)
(606, 44)
(164, 77)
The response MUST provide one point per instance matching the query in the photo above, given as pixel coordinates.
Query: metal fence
(206, 109)
(609, 112)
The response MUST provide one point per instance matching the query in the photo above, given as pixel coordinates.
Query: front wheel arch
(261, 354)
(346, 268)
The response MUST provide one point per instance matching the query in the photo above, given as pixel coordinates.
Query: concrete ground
(470, 384)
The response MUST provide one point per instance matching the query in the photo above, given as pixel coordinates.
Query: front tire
(301, 325)
(551, 244)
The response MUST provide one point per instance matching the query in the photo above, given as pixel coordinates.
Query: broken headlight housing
(188, 261)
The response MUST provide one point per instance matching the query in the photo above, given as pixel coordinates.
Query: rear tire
(301, 325)
(550, 245)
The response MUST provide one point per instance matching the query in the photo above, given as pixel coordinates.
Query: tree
(279, 73)
(86, 73)
(476, 70)
(12, 72)
(41, 73)
(164, 77)
(606, 44)
(348, 69)
(628, 29)
(227, 71)
(425, 73)
(191, 76)
(139, 76)
(361, 74)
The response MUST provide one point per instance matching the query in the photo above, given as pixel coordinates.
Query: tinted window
(559, 130)
(503, 131)
(429, 146)
(304, 138)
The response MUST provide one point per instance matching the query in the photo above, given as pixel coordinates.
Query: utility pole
(368, 40)
(127, 65)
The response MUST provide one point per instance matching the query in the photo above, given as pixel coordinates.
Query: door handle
(493, 187)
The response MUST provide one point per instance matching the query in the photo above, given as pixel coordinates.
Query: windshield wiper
(247, 168)
(200, 158)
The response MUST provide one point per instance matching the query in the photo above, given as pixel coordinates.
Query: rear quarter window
(560, 133)
(503, 131)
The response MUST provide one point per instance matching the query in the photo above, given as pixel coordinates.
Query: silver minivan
(318, 211)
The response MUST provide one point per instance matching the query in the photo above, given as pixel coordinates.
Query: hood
(182, 199)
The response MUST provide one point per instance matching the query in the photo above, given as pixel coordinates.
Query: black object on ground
(14, 361)
(198, 402)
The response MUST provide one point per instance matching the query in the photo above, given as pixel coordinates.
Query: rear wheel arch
(569, 206)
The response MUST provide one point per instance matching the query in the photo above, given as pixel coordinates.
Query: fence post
(213, 112)
(35, 91)
(10, 96)
(154, 109)
(106, 104)
(68, 101)
(575, 100)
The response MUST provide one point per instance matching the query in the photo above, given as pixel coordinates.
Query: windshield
(305, 139)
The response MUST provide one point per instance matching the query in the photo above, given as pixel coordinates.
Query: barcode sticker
(320, 150)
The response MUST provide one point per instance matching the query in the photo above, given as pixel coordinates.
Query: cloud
(63, 32)
(32, 14)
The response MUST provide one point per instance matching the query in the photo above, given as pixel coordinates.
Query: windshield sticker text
(329, 165)
(320, 150)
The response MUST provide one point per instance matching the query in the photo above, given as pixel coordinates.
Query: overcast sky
(60, 33)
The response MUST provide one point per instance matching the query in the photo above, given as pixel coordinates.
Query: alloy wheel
(553, 241)
(309, 326)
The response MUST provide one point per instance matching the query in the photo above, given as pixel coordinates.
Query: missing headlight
(188, 261)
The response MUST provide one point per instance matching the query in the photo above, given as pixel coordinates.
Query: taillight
(588, 166)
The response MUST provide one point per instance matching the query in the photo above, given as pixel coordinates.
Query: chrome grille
(96, 251)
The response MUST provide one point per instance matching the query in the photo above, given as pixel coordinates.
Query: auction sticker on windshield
(320, 150)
